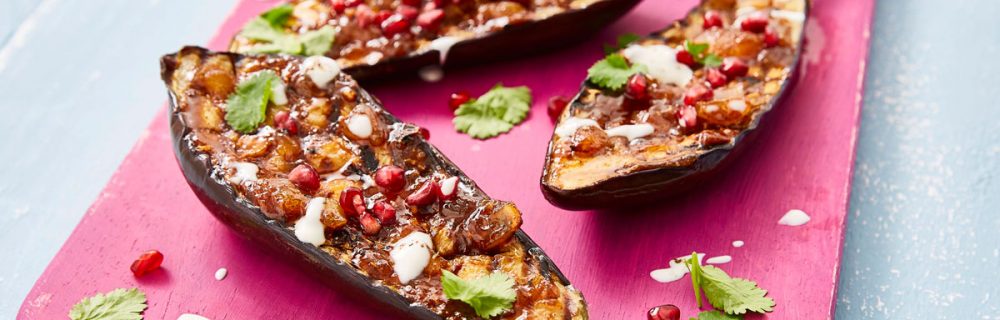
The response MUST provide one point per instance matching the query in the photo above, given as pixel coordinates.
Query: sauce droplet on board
(794, 217)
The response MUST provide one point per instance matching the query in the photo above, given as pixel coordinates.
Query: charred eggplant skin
(648, 186)
(250, 222)
(512, 42)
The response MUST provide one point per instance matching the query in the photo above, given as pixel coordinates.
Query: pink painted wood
(802, 160)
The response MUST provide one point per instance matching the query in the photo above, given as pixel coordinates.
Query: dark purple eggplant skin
(647, 187)
(512, 42)
(249, 222)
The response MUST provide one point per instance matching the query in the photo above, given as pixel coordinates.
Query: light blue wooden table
(78, 84)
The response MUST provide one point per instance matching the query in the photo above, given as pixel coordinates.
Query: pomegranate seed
(381, 16)
(281, 116)
(697, 92)
(734, 67)
(304, 177)
(424, 195)
(687, 117)
(411, 2)
(771, 38)
(352, 201)
(440, 3)
(755, 22)
(369, 224)
(430, 19)
(636, 89)
(353, 3)
(430, 6)
(447, 189)
(715, 77)
(283, 120)
(148, 262)
(395, 24)
(686, 58)
(338, 6)
(408, 12)
(391, 178)
(426, 134)
(556, 106)
(364, 16)
(458, 99)
(384, 212)
(712, 20)
(664, 312)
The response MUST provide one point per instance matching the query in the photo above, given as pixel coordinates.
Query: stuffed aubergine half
(662, 113)
(292, 153)
(396, 38)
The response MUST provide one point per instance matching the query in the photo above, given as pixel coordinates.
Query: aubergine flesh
(336, 184)
(680, 115)
(376, 40)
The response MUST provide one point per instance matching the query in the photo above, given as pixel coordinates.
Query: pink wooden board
(802, 159)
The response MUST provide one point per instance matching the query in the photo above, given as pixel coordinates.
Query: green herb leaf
(711, 61)
(700, 53)
(246, 107)
(490, 296)
(716, 315)
(269, 30)
(623, 41)
(612, 72)
(732, 295)
(119, 304)
(493, 113)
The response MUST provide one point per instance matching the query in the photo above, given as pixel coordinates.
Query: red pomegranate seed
(755, 22)
(712, 19)
(384, 212)
(381, 16)
(411, 2)
(338, 6)
(369, 224)
(148, 262)
(430, 19)
(426, 134)
(281, 116)
(395, 24)
(771, 38)
(391, 178)
(304, 177)
(636, 88)
(440, 3)
(734, 67)
(458, 98)
(408, 12)
(447, 188)
(352, 201)
(715, 77)
(364, 16)
(686, 58)
(664, 312)
(353, 3)
(697, 92)
(283, 120)
(424, 195)
(556, 106)
(687, 117)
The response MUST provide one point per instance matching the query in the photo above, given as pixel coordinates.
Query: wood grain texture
(801, 160)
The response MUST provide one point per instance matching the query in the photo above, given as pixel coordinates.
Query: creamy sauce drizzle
(719, 260)
(321, 70)
(360, 125)
(221, 274)
(794, 217)
(675, 272)
(443, 45)
(410, 255)
(738, 243)
(191, 316)
(661, 63)
(309, 228)
(630, 131)
(278, 93)
(569, 127)
(245, 171)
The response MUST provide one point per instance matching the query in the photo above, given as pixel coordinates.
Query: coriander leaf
(694, 268)
(278, 15)
(612, 72)
(246, 106)
(711, 61)
(694, 48)
(317, 42)
(699, 51)
(119, 304)
(493, 113)
(623, 41)
(716, 315)
(490, 296)
(732, 295)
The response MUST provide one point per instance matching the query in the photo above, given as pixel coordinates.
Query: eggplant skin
(512, 42)
(250, 222)
(652, 185)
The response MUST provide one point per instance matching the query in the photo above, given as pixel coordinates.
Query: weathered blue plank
(923, 238)
(75, 95)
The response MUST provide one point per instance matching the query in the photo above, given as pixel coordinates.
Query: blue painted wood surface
(78, 85)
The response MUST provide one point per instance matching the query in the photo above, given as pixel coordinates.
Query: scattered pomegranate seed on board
(148, 262)
(459, 98)
(664, 312)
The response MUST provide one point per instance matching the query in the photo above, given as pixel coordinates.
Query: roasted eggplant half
(397, 38)
(292, 153)
(663, 113)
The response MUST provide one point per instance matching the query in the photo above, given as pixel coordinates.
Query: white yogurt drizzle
(191, 316)
(278, 93)
(793, 16)
(321, 70)
(675, 272)
(794, 217)
(719, 260)
(568, 128)
(221, 274)
(360, 125)
(738, 243)
(630, 131)
(448, 186)
(661, 63)
(245, 171)
(339, 174)
(410, 255)
(309, 228)
(443, 45)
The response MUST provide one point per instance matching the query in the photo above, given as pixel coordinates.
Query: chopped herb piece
(490, 296)
(269, 30)
(493, 113)
(716, 315)
(612, 72)
(119, 304)
(623, 41)
(732, 295)
(700, 53)
(247, 105)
